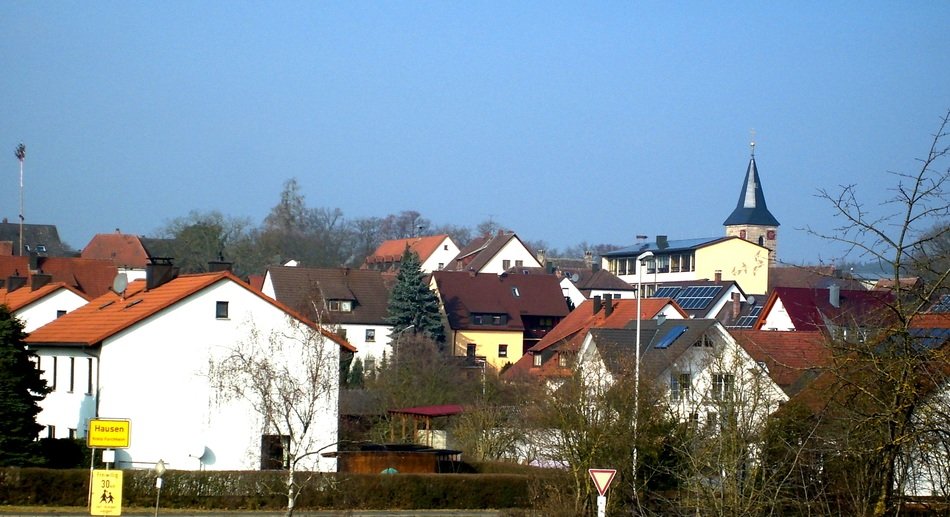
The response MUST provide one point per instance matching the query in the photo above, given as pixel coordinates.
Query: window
(712, 419)
(505, 264)
(620, 266)
(502, 350)
(340, 305)
(274, 454)
(72, 373)
(60, 313)
(221, 310)
(515, 292)
(663, 263)
(742, 234)
(55, 372)
(679, 386)
(88, 376)
(445, 247)
(370, 335)
(470, 350)
(536, 360)
(770, 235)
(722, 385)
(496, 320)
(441, 266)
(519, 263)
(563, 359)
(476, 319)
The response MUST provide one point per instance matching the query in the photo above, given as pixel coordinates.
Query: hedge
(265, 490)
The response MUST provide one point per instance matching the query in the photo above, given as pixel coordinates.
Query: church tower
(751, 220)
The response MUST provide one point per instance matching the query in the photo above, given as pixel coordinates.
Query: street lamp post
(641, 260)
(159, 472)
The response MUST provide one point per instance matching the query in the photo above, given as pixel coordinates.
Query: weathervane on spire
(752, 143)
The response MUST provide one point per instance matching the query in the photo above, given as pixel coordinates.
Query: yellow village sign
(108, 434)
(106, 492)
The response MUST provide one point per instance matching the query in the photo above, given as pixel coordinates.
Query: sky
(566, 122)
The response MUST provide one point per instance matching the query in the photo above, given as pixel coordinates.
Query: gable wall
(44, 311)
(445, 254)
(514, 251)
(777, 318)
(156, 375)
(739, 260)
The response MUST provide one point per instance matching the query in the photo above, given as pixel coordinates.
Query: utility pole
(21, 155)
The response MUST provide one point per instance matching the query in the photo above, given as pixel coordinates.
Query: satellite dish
(575, 277)
(750, 300)
(120, 283)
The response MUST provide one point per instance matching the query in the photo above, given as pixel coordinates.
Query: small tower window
(221, 310)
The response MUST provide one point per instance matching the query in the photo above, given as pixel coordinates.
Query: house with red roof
(555, 355)
(434, 252)
(130, 254)
(145, 355)
(834, 311)
(496, 317)
(39, 302)
(499, 253)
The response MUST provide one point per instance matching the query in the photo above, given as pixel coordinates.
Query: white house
(39, 303)
(499, 253)
(354, 302)
(148, 355)
(435, 252)
(697, 362)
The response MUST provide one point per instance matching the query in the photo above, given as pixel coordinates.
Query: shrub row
(266, 490)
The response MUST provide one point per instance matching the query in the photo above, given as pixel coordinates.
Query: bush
(265, 490)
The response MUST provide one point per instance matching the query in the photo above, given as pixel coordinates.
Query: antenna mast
(21, 155)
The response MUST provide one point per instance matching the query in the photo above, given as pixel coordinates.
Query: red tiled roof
(111, 313)
(25, 296)
(90, 276)
(808, 308)
(569, 334)
(123, 250)
(787, 355)
(392, 250)
(931, 320)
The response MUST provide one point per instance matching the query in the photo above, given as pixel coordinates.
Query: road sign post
(602, 479)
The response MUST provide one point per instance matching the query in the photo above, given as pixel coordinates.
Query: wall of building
(486, 345)
(44, 311)
(737, 259)
(157, 375)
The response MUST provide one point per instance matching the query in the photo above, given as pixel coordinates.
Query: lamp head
(645, 255)
(160, 468)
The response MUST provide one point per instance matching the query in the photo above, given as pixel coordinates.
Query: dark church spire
(751, 209)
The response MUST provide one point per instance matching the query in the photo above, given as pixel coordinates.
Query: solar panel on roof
(697, 297)
(666, 292)
(749, 320)
(674, 332)
(943, 305)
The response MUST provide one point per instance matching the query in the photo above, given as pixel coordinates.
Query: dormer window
(340, 305)
(536, 360)
(515, 292)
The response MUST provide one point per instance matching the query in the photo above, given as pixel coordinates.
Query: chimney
(541, 258)
(34, 262)
(15, 282)
(641, 239)
(718, 275)
(834, 295)
(596, 304)
(660, 320)
(589, 259)
(215, 266)
(661, 242)
(38, 280)
(159, 272)
(608, 304)
(735, 306)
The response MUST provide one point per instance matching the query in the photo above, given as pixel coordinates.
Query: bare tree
(884, 374)
(289, 377)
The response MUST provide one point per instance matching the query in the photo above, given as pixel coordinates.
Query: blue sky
(566, 122)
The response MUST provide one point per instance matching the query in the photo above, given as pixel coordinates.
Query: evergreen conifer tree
(21, 390)
(412, 305)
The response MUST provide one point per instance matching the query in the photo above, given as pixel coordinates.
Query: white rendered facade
(512, 255)
(155, 373)
(47, 309)
(441, 257)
